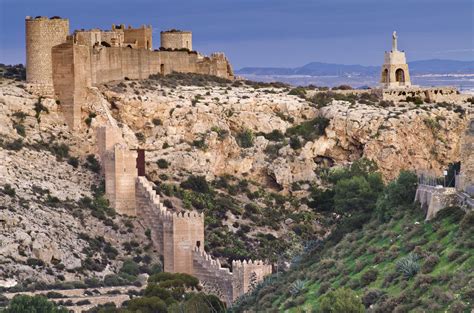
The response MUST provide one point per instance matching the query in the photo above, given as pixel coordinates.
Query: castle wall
(116, 63)
(41, 35)
(176, 40)
(125, 178)
(430, 94)
(213, 278)
(71, 76)
(188, 232)
(150, 211)
(107, 138)
(142, 36)
(247, 275)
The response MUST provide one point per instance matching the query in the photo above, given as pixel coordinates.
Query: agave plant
(297, 287)
(409, 265)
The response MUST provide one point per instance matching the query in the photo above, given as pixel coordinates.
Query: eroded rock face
(40, 219)
(196, 128)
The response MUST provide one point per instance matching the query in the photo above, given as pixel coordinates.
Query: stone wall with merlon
(247, 274)
(212, 276)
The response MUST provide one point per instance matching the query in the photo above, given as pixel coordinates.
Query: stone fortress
(68, 64)
(178, 237)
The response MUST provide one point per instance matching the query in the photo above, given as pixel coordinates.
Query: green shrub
(34, 262)
(36, 304)
(157, 122)
(371, 297)
(430, 263)
(196, 183)
(151, 304)
(275, 135)
(130, 267)
(245, 139)
(298, 91)
(400, 192)
(15, 145)
(140, 137)
(369, 277)
(73, 161)
(39, 107)
(20, 129)
(92, 163)
(297, 287)
(358, 193)
(89, 118)
(295, 143)
(9, 190)
(309, 130)
(408, 266)
(162, 163)
(341, 300)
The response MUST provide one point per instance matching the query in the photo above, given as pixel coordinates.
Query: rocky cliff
(54, 223)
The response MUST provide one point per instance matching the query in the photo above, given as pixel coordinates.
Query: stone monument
(395, 72)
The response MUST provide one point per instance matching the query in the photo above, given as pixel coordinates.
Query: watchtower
(176, 39)
(395, 72)
(43, 33)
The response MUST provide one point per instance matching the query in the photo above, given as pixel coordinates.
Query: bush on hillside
(24, 303)
(196, 183)
(245, 138)
(341, 300)
(399, 192)
(358, 193)
(408, 266)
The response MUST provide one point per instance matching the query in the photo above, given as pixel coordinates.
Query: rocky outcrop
(196, 130)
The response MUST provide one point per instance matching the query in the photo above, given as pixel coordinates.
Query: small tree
(341, 300)
(36, 304)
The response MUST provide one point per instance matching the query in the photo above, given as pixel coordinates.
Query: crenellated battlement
(177, 236)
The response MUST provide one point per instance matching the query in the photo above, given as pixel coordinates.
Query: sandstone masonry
(73, 63)
(178, 237)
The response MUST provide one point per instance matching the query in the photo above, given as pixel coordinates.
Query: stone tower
(395, 72)
(42, 34)
(176, 39)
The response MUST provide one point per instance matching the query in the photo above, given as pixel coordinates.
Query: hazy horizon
(254, 33)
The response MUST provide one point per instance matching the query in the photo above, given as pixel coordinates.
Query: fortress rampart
(73, 63)
(177, 236)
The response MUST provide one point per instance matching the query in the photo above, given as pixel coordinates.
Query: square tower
(395, 72)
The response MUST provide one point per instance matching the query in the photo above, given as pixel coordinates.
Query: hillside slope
(401, 265)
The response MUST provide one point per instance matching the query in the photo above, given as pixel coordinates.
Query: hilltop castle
(73, 62)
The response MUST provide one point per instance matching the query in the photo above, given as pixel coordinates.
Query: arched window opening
(400, 75)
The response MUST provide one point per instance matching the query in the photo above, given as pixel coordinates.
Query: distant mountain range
(434, 66)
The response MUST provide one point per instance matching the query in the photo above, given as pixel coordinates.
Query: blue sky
(271, 32)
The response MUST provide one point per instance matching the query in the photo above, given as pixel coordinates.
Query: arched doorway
(400, 75)
(385, 76)
(148, 45)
